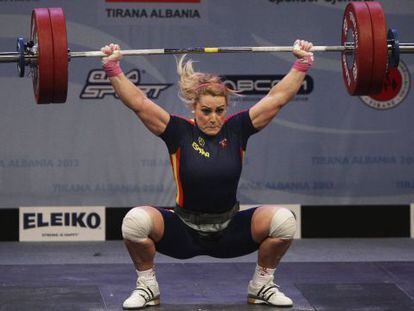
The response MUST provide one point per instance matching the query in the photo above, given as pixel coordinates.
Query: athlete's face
(210, 113)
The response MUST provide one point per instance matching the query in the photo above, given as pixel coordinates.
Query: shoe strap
(149, 294)
(266, 288)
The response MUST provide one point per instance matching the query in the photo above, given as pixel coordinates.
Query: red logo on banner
(392, 86)
(394, 91)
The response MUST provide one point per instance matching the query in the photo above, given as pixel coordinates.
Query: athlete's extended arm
(267, 108)
(153, 116)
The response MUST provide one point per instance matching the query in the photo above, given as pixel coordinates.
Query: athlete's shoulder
(182, 120)
(237, 116)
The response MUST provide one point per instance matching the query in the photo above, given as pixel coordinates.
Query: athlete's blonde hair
(193, 84)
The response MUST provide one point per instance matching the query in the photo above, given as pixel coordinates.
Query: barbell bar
(13, 57)
(367, 51)
(10, 57)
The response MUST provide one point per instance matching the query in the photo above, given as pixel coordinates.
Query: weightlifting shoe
(268, 294)
(145, 294)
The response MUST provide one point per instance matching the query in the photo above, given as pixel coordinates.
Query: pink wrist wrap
(303, 64)
(112, 68)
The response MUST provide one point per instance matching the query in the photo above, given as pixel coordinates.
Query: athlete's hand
(113, 52)
(301, 50)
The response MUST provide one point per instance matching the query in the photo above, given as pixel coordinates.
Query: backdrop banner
(325, 147)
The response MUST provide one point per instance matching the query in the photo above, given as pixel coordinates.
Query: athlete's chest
(203, 155)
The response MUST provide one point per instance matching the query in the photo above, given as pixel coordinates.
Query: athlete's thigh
(178, 240)
(236, 240)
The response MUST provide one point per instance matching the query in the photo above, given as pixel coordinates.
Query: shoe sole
(256, 301)
(154, 302)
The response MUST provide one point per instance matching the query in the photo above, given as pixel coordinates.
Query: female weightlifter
(206, 154)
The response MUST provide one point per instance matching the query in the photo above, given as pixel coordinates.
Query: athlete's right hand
(113, 52)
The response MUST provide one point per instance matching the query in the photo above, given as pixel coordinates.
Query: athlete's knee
(283, 224)
(137, 225)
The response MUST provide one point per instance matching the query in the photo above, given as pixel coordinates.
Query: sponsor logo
(98, 85)
(396, 87)
(63, 223)
(261, 84)
(84, 220)
(201, 141)
(200, 150)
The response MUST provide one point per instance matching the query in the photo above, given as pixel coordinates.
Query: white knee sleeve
(283, 225)
(137, 225)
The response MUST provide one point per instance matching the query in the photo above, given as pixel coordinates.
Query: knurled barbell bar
(366, 47)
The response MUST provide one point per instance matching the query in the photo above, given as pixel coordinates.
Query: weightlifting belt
(199, 218)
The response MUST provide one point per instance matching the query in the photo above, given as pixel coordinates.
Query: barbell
(367, 50)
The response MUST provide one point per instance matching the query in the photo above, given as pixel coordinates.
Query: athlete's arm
(267, 108)
(153, 116)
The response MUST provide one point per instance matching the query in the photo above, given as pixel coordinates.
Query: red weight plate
(380, 51)
(357, 67)
(41, 35)
(60, 52)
